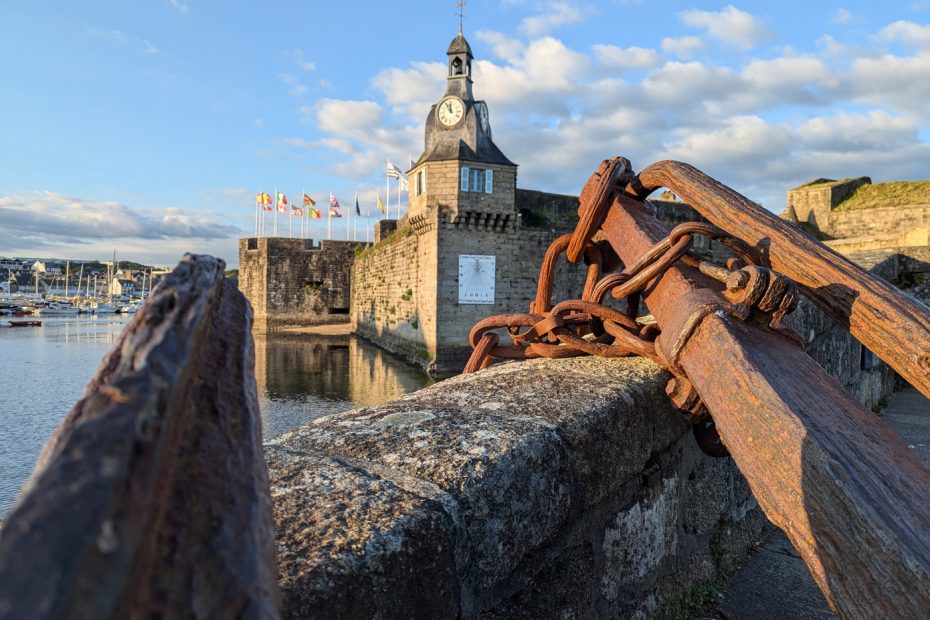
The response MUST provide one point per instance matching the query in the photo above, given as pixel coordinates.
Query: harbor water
(299, 378)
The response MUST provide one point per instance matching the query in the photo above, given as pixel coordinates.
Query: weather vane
(461, 5)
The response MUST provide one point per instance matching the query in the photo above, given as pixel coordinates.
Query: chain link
(588, 327)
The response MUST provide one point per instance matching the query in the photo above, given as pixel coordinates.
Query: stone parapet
(546, 488)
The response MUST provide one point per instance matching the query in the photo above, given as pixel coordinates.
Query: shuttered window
(464, 178)
(488, 181)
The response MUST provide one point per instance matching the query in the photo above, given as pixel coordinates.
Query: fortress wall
(518, 256)
(394, 292)
(879, 221)
(289, 282)
(545, 488)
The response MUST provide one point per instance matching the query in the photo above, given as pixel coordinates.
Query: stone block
(354, 542)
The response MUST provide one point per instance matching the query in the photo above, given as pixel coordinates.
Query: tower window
(420, 187)
(457, 66)
(477, 180)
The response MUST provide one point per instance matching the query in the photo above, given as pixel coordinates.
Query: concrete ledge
(543, 488)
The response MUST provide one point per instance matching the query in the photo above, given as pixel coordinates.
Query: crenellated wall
(406, 288)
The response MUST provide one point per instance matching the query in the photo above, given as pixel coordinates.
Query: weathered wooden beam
(894, 326)
(151, 497)
(844, 487)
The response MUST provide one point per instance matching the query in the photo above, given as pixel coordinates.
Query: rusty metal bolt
(736, 280)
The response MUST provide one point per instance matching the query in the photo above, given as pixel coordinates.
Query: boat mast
(67, 276)
(80, 279)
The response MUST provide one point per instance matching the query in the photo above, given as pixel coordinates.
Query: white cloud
(296, 88)
(901, 83)
(303, 63)
(53, 222)
(842, 16)
(130, 41)
(613, 57)
(849, 133)
(730, 25)
(506, 48)
(761, 125)
(557, 14)
(907, 32)
(683, 47)
(180, 6)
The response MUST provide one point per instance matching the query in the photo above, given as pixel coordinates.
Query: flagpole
(329, 218)
(257, 207)
(387, 190)
(290, 229)
(348, 217)
(275, 205)
(398, 197)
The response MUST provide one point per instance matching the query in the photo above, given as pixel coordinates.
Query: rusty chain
(587, 326)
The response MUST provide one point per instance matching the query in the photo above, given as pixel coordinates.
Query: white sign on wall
(476, 279)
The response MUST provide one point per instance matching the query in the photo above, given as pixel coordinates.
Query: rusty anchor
(851, 497)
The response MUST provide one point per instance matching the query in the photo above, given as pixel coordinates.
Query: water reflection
(299, 378)
(302, 377)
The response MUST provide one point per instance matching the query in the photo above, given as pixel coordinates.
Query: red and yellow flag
(314, 213)
(308, 201)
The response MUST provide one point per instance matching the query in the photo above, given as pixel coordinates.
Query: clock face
(483, 118)
(451, 110)
(476, 279)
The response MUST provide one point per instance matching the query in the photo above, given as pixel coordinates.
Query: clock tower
(461, 170)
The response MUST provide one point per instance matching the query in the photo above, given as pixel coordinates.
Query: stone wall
(857, 230)
(291, 282)
(881, 221)
(546, 488)
(394, 293)
(813, 203)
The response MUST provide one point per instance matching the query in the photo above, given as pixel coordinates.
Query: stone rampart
(292, 282)
(546, 488)
(855, 230)
(393, 295)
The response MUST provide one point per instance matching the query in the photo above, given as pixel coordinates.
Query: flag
(394, 172)
(380, 204)
(281, 201)
(308, 201)
(332, 201)
(314, 213)
(298, 211)
(334, 212)
(263, 199)
(357, 210)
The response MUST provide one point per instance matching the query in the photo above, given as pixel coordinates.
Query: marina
(299, 378)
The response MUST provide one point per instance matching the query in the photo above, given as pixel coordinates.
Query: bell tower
(459, 78)
(461, 170)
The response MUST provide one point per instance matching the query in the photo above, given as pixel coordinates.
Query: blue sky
(147, 127)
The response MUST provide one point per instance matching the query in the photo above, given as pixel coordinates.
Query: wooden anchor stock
(151, 497)
(852, 498)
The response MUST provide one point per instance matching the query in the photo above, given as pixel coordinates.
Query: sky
(147, 127)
